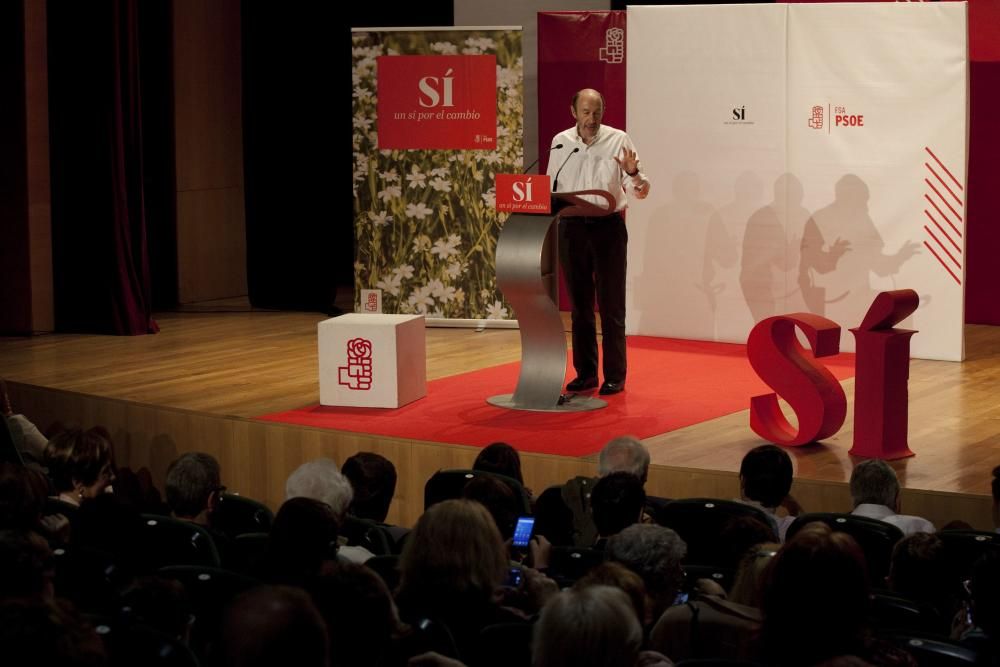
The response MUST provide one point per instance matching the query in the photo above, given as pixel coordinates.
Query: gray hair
(322, 481)
(595, 626)
(653, 552)
(873, 481)
(624, 454)
(191, 479)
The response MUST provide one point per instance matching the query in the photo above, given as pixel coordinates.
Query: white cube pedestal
(372, 361)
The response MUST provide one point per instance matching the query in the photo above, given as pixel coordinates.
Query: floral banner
(425, 221)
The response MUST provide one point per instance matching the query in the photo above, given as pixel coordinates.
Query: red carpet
(671, 384)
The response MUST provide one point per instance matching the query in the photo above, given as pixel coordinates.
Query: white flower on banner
(508, 78)
(446, 248)
(364, 65)
(439, 172)
(418, 210)
(444, 48)
(404, 270)
(390, 285)
(484, 43)
(421, 299)
(362, 122)
(490, 198)
(496, 311)
(459, 296)
(422, 243)
(441, 185)
(390, 192)
(453, 270)
(380, 219)
(358, 267)
(492, 158)
(390, 176)
(416, 178)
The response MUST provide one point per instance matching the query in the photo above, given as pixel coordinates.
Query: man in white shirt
(592, 250)
(875, 492)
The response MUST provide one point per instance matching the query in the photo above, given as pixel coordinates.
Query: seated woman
(81, 465)
(452, 565)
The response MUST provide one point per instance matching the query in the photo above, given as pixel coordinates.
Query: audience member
(161, 604)
(740, 534)
(616, 503)
(193, 487)
(80, 463)
(624, 454)
(875, 492)
(765, 482)
(373, 480)
(35, 632)
(498, 499)
(26, 567)
(452, 564)
(360, 615)
(618, 576)
(320, 480)
(655, 554)
(995, 488)
(274, 625)
(302, 541)
(594, 625)
(984, 588)
(501, 459)
(919, 571)
(815, 603)
(748, 585)
(22, 497)
(28, 440)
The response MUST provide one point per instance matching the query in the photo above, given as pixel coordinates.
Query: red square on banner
(437, 102)
(524, 193)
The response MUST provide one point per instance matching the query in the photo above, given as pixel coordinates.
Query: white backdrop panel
(720, 104)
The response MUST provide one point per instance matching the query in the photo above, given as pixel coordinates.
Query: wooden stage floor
(234, 366)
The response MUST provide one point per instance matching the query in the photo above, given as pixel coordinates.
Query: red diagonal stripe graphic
(941, 181)
(928, 245)
(944, 233)
(943, 200)
(959, 185)
(950, 223)
(938, 241)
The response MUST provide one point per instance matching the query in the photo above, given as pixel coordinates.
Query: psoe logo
(816, 119)
(357, 374)
(613, 51)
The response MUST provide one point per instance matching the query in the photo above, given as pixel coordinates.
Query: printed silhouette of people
(841, 248)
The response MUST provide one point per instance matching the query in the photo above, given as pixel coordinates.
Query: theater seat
(933, 651)
(235, 515)
(876, 538)
(700, 522)
(962, 548)
(168, 541)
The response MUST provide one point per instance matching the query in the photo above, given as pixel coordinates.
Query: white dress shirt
(593, 167)
(906, 523)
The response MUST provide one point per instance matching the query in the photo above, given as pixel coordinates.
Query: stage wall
(798, 164)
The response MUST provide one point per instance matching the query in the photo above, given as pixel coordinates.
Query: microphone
(551, 148)
(555, 181)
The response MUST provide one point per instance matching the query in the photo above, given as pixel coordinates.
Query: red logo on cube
(357, 374)
(437, 102)
(524, 193)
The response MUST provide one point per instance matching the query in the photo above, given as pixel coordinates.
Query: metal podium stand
(520, 249)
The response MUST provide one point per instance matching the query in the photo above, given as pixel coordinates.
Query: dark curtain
(297, 142)
(102, 277)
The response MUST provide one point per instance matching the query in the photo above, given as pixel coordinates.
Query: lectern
(522, 245)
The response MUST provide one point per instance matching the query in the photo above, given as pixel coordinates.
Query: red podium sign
(524, 193)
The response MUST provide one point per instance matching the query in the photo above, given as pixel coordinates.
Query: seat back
(367, 534)
(700, 522)
(892, 613)
(168, 541)
(505, 645)
(235, 515)
(932, 651)
(449, 484)
(9, 452)
(568, 564)
(962, 548)
(387, 567)
(248, 552)
(723, 576)
(129, 644)
(876, 538)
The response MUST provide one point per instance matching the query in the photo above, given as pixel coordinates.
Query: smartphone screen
(522, 531)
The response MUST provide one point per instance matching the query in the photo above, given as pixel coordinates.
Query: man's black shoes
(581, 384)
(609, 388)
